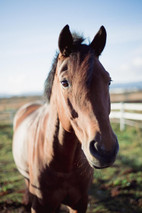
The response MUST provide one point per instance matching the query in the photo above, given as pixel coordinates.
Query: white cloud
(131, 70)
(125, 34)
(137, 62)
(16, 83)
(22, 83)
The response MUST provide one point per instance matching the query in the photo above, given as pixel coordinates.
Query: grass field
(114, 190)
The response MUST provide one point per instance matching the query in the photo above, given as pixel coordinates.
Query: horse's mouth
(100, 165)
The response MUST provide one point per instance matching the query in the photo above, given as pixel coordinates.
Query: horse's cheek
(65, 122)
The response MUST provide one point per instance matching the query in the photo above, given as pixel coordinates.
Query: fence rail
(127, 113)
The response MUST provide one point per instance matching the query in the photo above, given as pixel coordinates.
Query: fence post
(122, 119)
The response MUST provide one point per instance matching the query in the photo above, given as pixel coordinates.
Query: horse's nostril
(95, 150)
(104, 157)
(94, 146)
(97, 137)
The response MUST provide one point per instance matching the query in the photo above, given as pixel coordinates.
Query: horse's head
(83, 101)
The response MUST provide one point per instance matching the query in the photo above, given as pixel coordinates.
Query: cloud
(20, 83)
(16, 83)
(125, 35)
(132, 70)
(137, 62)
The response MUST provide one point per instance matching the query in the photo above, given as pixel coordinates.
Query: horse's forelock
(77, 41)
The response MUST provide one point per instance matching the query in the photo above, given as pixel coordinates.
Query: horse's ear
(99, 41)
(65, 41)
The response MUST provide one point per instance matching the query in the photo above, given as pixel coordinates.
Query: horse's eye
(65, 83)
(109, 83)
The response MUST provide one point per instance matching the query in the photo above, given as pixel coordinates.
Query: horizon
(114, 88)
(29, 39)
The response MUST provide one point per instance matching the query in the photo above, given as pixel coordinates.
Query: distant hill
(114, 88)
(126, 92)
(8, 95)
(123, 87)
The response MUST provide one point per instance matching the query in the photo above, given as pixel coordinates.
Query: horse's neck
(64, 146)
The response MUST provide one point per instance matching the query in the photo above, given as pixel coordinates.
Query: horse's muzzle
(102, 158)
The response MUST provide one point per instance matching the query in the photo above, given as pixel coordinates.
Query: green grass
(11, 182)
(119, 188)
(115, 189)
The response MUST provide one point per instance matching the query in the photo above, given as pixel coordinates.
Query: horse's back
(23, 121)
(24, 112)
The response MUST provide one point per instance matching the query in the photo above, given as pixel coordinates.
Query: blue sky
(29, 34)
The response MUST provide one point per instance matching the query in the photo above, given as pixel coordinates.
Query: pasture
(115, 189)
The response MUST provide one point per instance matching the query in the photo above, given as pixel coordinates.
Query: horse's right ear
(99, 41)
(65, 41)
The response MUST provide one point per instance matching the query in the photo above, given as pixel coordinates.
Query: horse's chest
(67, 190)
(72, 189)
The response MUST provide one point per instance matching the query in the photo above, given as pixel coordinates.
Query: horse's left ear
(99, 41)
(65, 41)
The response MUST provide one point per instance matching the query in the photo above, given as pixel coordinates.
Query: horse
(58, 143)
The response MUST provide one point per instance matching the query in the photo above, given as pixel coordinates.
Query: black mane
(77, 41)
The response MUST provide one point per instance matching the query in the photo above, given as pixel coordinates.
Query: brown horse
(57, 144)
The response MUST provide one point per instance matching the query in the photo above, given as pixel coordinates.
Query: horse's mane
(77, 41)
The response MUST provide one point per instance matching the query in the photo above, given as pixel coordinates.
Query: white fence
(127, 113)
